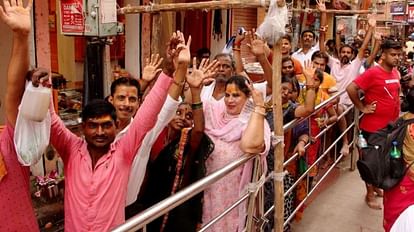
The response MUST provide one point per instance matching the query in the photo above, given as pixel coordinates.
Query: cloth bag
(31, 137)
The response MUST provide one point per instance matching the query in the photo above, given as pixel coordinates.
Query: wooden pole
(278, 132)
(156, 31)
(213, 5)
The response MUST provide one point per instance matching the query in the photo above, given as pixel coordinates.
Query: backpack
(374, 165)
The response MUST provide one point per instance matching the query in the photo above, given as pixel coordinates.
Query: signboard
(397, 8)
(71, 17)
(410, 14)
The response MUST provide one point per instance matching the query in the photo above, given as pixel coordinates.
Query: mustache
(99, 137)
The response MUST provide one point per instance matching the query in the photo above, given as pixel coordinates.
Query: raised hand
(152, 67)
(239, 38)
(320, 4)
(257, 96)
(372, 21)
(184, 56)
(309, 72)
(256, 45)
(16, 16)
(199, 74)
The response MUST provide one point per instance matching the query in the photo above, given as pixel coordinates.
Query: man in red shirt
(381, 105)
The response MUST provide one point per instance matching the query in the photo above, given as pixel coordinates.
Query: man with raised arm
(16, 211)
(97, 167)
(343, 69)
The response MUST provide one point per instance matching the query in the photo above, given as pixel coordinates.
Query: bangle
(261, 106)
(236, 49)
(259, 112)
(310, 87)
(197, 105)
(180, 84)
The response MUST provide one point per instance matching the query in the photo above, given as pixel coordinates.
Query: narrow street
(339, 206)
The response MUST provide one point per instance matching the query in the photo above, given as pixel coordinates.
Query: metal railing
(142, 219)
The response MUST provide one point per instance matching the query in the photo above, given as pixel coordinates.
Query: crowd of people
(198, 116)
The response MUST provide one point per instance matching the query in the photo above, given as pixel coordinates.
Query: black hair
(330, 41)
(98, 108)
(201, 51)
(346, 46)
(319, 74)
(287, 37)
(240, 82)
(410, 100)
(293, 81)
(307, 31)
(286, 59)
(319, 54)
(126, 81)
(233, 63)
(390, 44)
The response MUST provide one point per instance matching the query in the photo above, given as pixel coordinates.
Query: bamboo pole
(278, 132)
(213, 5)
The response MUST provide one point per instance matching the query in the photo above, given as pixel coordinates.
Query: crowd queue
(138, 149)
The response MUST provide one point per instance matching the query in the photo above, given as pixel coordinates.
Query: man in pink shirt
(381, 105)
(16, 210)
(343, 69)
(96, 168)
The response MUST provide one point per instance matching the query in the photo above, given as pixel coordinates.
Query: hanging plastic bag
(32, 134)
(274, 24)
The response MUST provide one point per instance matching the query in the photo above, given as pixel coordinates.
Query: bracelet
(197, 105)
(259, 112)
(236, 49)
(180, 84)
(261, 106)
(301, 140)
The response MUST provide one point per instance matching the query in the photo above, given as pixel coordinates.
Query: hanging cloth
(217, 21)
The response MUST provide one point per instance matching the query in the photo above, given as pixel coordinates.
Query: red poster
(410, 14)
(72, 20)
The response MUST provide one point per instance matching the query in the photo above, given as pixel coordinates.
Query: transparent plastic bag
(274, 24)
(31, 135)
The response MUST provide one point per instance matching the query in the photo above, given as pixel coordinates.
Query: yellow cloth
(321, 96)
(328, 84)
(3, 170)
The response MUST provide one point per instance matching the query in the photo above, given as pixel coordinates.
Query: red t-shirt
(383, 87)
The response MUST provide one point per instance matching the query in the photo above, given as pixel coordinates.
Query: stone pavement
(339, 206)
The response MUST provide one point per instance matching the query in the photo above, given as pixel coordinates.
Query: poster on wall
(350, 23)
(72, 21)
